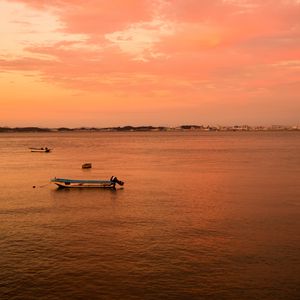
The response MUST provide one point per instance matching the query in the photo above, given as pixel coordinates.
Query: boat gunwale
(64, 180)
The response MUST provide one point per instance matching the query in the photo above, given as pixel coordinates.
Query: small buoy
(86, 166)
(33, 186)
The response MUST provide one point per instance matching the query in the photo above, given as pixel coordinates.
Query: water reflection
(201, 215)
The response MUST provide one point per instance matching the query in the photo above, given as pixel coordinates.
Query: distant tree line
(24, 129)
(151, 128)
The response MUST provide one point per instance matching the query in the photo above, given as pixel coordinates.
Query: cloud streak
(173, 50)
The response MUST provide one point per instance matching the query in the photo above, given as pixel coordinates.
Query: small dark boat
(46, 150)
(86, 166)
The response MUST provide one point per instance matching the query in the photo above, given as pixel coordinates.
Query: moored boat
(46, 150)
(86, 183)
(86, 166)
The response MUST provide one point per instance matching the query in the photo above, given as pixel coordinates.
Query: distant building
(241, 127)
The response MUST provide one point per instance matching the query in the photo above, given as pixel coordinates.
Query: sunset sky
(149, 62)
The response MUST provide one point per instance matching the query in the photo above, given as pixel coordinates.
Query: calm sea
(202, 215)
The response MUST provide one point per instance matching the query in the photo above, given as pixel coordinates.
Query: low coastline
(153, 128)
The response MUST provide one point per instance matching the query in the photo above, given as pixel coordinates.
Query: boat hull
(77, 183)
(41, 151)
(86, 166)
(62, 185)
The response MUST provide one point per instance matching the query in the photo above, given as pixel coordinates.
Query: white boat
(46, 150)
(80, 183)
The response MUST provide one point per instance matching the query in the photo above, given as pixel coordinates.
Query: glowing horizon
(139, 62)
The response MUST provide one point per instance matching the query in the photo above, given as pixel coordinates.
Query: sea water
(202, 215)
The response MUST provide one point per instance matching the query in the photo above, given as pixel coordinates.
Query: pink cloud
(208, 47)
(95, 16)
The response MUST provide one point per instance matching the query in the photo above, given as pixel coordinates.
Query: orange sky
(149, 62)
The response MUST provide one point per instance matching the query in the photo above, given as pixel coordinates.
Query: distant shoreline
(152, 128)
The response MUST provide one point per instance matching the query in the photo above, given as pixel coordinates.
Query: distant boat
(79, 183)
(86, 166)
(46, 150)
